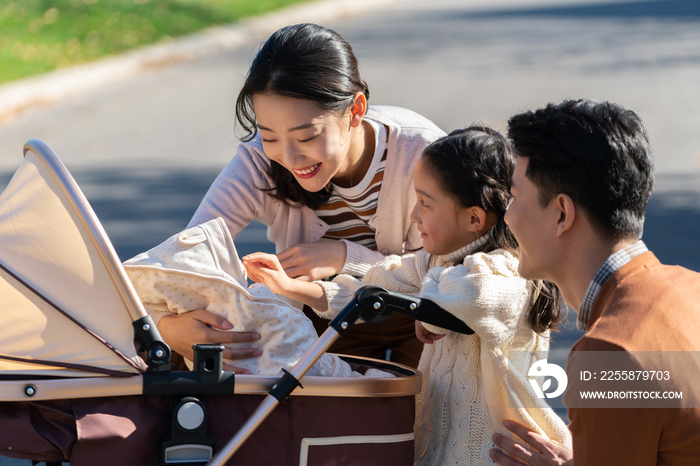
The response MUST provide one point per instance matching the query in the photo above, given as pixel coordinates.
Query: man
(583, 176)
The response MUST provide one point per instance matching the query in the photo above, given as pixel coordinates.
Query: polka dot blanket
(199, 268)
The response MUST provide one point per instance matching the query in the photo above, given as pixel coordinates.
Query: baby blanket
(199, 268)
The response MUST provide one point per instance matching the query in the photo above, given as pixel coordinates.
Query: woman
(329, 176)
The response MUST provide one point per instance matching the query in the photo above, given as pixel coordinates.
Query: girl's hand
(313, 261)
(425, 335)
(182, 331)
(266, 269)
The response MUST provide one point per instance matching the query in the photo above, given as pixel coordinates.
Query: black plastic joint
(207, 378)
(208, 362)
(157, 353)
(285, 386)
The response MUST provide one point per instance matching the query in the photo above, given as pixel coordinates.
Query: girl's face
(444, 225)
(313, 144)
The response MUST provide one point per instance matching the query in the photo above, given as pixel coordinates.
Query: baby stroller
(85, 376)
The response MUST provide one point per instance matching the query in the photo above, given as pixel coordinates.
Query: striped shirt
(611, 265)
(348, 210)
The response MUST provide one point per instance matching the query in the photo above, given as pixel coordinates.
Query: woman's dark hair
(475, 166)
(303, 61)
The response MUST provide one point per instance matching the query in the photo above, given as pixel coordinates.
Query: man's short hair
(596, 153)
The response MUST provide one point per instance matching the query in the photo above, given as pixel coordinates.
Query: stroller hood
(66, 306)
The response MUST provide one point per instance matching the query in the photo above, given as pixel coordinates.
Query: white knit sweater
(466, 393)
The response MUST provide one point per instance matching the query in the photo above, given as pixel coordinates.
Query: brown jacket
(644, 306)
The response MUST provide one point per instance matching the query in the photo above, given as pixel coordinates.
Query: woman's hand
(182, 331)
(313, 261)
(548, 453)
(266, 269)
(425, 335)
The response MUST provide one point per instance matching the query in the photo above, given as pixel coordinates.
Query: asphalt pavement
(145, 147)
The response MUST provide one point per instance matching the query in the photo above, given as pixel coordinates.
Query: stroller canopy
(66, 305)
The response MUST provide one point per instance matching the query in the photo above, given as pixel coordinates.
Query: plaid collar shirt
(611, 265)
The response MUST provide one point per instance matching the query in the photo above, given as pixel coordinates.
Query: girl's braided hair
(474, 166)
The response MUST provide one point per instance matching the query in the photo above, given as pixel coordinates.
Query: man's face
(532, 225)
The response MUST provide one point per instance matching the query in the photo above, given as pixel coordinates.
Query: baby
(200, 269)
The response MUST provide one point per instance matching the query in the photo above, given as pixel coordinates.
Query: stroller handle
(372, 304)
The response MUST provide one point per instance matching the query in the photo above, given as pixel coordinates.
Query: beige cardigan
(236, 195)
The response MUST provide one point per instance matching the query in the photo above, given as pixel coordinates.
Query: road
(145, 150)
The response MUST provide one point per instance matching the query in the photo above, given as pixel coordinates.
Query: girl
(471, 383)
(329, 176)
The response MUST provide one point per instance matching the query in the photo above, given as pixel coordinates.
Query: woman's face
(311, 143)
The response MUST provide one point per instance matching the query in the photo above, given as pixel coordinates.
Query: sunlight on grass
(42, 35)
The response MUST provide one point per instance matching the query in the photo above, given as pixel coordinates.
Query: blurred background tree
(37, 36)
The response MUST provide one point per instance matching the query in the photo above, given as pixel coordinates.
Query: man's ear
(358, 109)
(566, 209)
(477, 219)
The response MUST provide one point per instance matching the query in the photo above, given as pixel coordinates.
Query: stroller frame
(189, 443)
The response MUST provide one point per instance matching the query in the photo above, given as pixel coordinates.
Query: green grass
(37, 36)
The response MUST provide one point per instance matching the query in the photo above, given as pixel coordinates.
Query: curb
(50, 88)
